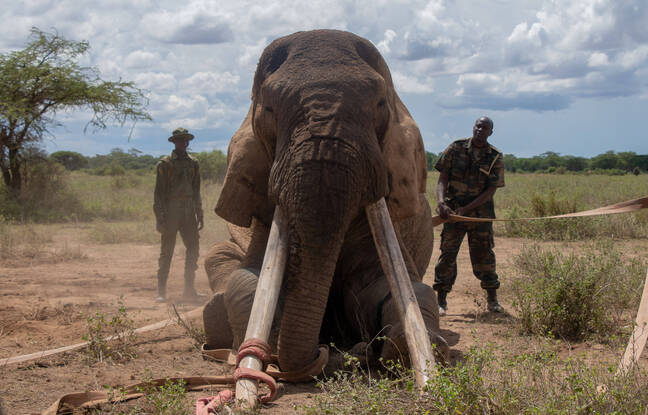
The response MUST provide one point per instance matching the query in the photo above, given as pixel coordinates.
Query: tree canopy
(45, 78)
(71, 160)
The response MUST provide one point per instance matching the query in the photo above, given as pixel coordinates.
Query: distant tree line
(213, 163)
(119, 162)
(550, 162)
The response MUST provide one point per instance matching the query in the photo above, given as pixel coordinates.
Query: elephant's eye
(381, 103)
(267, 108)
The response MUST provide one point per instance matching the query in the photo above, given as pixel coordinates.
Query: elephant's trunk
(319, 199)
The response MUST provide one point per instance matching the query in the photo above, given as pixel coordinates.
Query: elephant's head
(326, 135)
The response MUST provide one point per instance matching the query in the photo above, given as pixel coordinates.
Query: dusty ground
(43, 302)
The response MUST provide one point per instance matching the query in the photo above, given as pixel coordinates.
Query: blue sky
(563, 76)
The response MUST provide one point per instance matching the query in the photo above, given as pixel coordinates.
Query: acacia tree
(45, 78)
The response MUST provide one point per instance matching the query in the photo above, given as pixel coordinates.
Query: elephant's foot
(218, 332)
(395, 347)
(360, 355)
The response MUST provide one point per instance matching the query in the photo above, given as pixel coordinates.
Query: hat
(181, 133)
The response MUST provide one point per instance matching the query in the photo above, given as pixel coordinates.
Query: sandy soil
(43, 303)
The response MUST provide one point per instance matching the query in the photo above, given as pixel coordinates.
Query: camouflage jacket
(177, 183)
(469, 175)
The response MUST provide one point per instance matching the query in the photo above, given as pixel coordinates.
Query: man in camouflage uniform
(470, 170)
(178, 207)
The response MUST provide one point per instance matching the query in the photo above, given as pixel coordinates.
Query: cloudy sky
(564, 76)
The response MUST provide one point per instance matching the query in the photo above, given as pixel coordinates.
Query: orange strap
(262, 351)
(621, 207)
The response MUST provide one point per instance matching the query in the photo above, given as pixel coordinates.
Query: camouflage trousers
(482, 257)
(179, 219)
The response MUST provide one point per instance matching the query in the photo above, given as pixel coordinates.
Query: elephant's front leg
(395, 347)
(373, 315)
(368, 306)
(226, 315)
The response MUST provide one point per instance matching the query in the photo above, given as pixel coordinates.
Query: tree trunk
(15, 179)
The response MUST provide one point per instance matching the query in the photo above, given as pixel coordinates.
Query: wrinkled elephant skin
(326, 135)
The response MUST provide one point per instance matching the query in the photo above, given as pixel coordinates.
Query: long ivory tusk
(402, 292)
(639, 335)
(265, 303)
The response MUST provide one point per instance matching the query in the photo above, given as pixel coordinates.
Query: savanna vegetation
(610, 163)
(584, 290)
(46, 78)
(568, 285)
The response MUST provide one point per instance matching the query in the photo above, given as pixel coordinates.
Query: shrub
(488, 381)
(167, 399)
(575, 297)
(45, 195)
(213, 165)
(110, 337)
(70, 160)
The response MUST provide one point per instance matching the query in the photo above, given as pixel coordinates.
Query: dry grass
(25, 244)
(488, 381)
(592, 294)
(528, 195)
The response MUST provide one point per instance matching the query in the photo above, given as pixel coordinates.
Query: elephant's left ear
(404, 156)
(245, 189)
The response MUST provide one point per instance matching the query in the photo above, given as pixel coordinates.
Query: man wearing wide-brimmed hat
(178, 207)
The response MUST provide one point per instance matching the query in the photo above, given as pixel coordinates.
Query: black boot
(161, 297)
(189, 290)
(491, 299)
(443, 302)
(162, 279)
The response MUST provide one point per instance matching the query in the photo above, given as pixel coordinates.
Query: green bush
(167, 399)
(110, 337)
(70, 160)
(575, 297)
(213, 165)
(488, 381)
(44, 197)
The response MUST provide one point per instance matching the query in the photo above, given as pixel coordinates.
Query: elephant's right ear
(245, 189)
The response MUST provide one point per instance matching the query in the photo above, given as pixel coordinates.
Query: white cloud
(635, 58)
(210, 83)
(156, 81)
(197, 58)
(141, 59)
(250, 54)
(383, 45)
(598, 59)
(195, 23)
(410, 84)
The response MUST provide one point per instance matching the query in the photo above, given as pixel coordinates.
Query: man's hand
(201, 222)
(461, 211)
(444, 210)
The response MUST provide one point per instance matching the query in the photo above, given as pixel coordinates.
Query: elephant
(325, 135)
